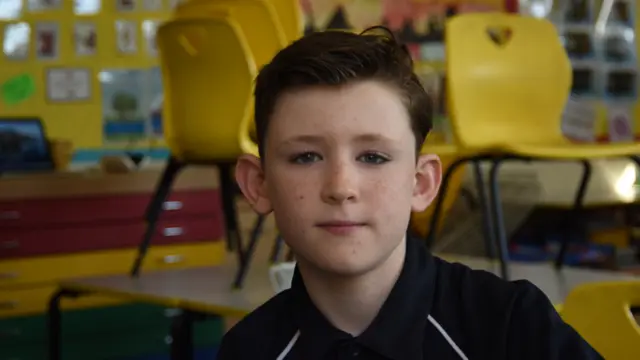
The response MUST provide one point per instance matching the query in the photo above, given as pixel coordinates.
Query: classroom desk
(611, 182)
(201, 292)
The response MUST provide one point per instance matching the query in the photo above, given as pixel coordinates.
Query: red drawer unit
(49, 241)
(103, 209)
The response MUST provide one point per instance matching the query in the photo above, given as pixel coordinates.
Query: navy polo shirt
(436, 310)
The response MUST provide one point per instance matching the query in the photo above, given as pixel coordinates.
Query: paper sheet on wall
(620, 121)
(17, 89)
(579, 120)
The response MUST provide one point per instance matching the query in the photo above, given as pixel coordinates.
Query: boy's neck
(351, 303)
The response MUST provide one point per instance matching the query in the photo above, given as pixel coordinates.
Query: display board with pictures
(62, 48)
(600, 40)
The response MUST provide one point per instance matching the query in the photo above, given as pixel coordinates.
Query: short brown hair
(336, 58)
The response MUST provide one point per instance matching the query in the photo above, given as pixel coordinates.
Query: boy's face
(341, 175)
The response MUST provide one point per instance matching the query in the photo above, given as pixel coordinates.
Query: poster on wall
(85, 38)
(123, 111)
(47, 40)
(131, 105)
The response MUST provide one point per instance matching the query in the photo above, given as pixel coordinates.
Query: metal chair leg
(276, 249)
(154, 209)
(227, 193)
(485, 209)
(248, 253)
(498, 218)
(437, 211)
(576, 212)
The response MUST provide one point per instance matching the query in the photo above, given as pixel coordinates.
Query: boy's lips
(340, 227)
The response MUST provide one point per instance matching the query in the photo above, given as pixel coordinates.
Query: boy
(340, 121)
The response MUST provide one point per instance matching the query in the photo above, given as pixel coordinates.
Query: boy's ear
(427, 181)
(251, 181)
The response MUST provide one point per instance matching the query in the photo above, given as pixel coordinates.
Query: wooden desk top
(209, 289)
(90, 183)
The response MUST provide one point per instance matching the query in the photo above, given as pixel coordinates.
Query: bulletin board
(601, 40)
(87, 68)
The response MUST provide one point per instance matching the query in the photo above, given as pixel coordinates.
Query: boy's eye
(305, 158)
(373, 158)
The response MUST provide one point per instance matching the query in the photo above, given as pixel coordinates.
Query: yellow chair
(508, 79)
(260, 23)
(291, 18)
(601, 313)
(257, 19)
(207, 98)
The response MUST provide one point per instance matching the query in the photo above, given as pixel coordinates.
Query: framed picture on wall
(47, 40)
(43, 5)
(16, 40)
(68, 84)
(152, 5)
(85, 38)
(125, 5)
(126, 37)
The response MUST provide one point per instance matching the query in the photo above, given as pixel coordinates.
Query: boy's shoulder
(515, 317)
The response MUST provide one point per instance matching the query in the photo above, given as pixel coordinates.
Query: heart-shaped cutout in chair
(499, 35)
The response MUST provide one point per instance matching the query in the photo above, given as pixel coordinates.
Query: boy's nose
(340, 185)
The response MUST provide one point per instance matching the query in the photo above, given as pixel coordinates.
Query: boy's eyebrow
(316, 139)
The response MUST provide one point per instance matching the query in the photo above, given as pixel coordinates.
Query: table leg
(54, 318)
(182, 336)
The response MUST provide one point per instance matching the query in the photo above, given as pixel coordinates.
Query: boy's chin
(344, 265)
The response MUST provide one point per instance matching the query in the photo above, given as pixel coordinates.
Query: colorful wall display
(88, 68)
(600, 39)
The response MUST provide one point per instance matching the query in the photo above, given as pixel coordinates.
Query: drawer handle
(11, 244)
(9, 215)
(173, 259)
(9, 305)
(172, 205)
(172, 231)
(8, 276)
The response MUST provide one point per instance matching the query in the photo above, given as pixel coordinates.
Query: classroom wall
(79, 115)
(79, 118)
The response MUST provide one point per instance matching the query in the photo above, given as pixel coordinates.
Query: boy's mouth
(340, 227)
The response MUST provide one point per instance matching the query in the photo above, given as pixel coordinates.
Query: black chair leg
(498, 218)
(227, 193)
(248, 253)
(290, 255)
(576, 212)
(276, 249)
(437, 211)
(485, 209)
(154, 209)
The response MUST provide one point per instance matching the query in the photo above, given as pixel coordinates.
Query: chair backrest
(207, 95)
(262, 24)
(290, 16)
(508, 79)
(601, 313)
(257, 19)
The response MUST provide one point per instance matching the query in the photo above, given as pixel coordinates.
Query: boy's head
(340, 121)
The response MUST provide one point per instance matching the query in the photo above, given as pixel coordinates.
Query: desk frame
(181, 326)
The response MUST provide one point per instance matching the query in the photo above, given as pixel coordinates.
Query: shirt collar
(397, 332)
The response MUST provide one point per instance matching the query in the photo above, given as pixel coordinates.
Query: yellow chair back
(207, 96)
(257, 19)
(508, 79)
(601, 313)
(290, 16)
